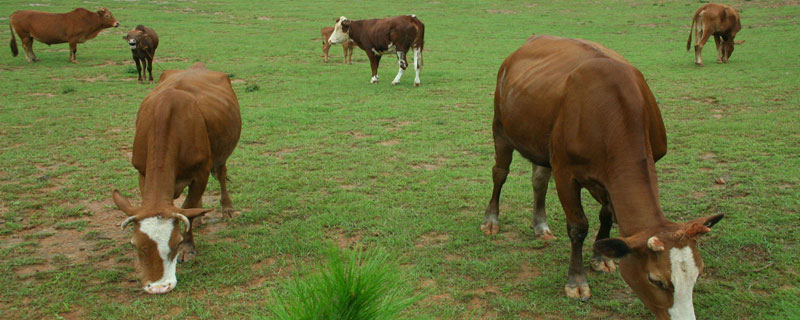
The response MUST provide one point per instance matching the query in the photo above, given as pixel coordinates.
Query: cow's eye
(656, 281)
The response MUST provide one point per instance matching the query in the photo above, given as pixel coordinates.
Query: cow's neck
(162, 159)
(634, 198)
(355, 32)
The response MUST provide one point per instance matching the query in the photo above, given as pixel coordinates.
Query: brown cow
(381, 36)
(580, 111)
(143, 42)
(185, 129)
(719, 20)
(347, 45)
(74, 27)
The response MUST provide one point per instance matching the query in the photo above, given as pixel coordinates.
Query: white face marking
(160, 230)
(684, 275)
(339, 36)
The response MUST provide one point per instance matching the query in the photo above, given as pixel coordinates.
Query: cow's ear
(613, 248)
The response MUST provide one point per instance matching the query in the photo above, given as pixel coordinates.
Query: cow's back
(542, 84)
(52, 28)
(215, 100)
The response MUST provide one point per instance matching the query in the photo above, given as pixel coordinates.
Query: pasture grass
(326, 159)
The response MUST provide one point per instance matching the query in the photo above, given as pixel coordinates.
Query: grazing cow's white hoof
(416, 84)
(394, 83)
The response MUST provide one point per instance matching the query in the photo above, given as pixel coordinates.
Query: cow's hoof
(35, 60)
(545, 235)
(228, 213)
(394, 83)
(699, 64)
(603, 265)
(490, 228)
(416, 84)
(186, 252)
(580, 292)
(74, 61)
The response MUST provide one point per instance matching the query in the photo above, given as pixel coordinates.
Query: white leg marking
(683, 277)
(417, 56)
(374, 79)
(399, 74)
(399, 70)
(160, 230)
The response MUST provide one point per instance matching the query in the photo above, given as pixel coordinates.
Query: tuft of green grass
(131, 69)
(251, 88)
(67, 89)
(351, 285)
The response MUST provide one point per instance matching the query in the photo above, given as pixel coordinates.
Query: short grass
(325, 157)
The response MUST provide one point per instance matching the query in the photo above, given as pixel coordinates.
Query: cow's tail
(691, 30)
(13, 44)
(420, 41)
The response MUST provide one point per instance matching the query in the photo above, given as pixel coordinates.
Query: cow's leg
(503, 154)
(698, 48)
(540, 179)
(194, 199)
(718, 42)
(344, 49)
(139, 68)
(569, 192)
(150, 67)
(27, 46)
(374, 61)
(350, 54)
(326, 46)
(600, 262)
(73, 52)
(401, 60)
(221, 173)
(417, 65)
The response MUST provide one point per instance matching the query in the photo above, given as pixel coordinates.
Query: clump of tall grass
(349, 285)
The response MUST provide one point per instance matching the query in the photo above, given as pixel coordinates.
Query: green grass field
(326, 159)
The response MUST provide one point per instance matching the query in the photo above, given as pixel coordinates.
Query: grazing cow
(581, 113)
(719, 20)
(143, 42)
(384, 36)
(185, 129)
(74, 27)
(347, 45)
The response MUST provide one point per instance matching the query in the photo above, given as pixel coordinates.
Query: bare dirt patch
(101, 77)
(501, 11)
(389, 143)
(425, 166)
(342, 238)
(527, 272)
(43, 94)
(280, 153)
(431, 239)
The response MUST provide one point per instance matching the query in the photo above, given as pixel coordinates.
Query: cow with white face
(186, 129)
(396, 35)
(662, 267)
(157, 236)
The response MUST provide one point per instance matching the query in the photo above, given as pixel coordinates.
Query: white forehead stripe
(683, 277)
(160, 230)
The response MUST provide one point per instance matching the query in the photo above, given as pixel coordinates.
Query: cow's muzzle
(116, 24)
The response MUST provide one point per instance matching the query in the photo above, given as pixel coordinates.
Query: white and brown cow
(377, 37)
(186, 129)
(581, 113)
(720, 21)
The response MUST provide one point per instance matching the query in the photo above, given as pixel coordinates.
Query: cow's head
(134, 39)
(727, 47)
(341, 31)
(156, 236)
(107, 18)
(662, 267)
